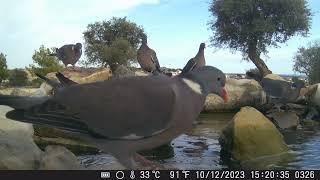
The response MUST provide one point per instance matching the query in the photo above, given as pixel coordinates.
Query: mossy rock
(76, 147)
(44, 136)
(250, 135)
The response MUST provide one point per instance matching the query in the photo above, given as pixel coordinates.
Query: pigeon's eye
(218, 79)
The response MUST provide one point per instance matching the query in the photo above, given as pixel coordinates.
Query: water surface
(200, 149)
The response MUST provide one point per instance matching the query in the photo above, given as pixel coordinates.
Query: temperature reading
(174, 174)
(144, 174)
(149, 174)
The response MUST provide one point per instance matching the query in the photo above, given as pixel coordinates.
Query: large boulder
(250, 135)
(17, 148)
(242, 92)
(274, 77)
(84, 75)
(311, 94)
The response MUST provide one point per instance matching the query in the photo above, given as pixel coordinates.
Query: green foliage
(257, 23)
(43, 63)
(18, 77)
(112, 42)
(307, 61)
(3, 67)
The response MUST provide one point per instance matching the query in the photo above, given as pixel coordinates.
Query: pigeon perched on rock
(197, 61)
(127, 115)
(281, 91)
(69, 53)
(147, 58)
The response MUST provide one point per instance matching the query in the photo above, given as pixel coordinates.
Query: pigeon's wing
(155, 60)
(132, 108)
(191, 64)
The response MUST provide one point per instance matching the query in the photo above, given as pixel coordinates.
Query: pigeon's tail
(54, 115)
(64, 80)
(52, 83)
(21, 102)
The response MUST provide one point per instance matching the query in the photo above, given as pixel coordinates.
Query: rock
(310, 124)
(297, 108)
(242, 92)
(84, 75)
(274, 77)
(44, 89)
(315, 97)
(17, 148)
(250, 135)
(141, 73)
(23, 91)
(101, 162)
(285, 120)
(44, 136)
(77, 147)
(59, 158)
(100, 75)
(311, 94)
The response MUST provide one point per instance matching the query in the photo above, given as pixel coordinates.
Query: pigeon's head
(202, 45)
(78, 45)
(144, 39)
(211, 79)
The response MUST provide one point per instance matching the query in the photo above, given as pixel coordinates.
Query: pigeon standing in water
(147, 58)
(197, 61)
(69, 53)
(127, 115)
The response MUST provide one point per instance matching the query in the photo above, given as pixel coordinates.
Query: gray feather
(21, 102)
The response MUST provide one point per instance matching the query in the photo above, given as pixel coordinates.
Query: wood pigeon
(147, 58)
(197, 61)
(281, 91)
(124, 116)
(69, 53)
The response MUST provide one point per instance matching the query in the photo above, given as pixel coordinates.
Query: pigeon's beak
(224, 95)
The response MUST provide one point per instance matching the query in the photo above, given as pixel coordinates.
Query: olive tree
(112, 42)
(251, 26)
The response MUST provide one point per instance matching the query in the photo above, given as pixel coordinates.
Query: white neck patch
(195, 87)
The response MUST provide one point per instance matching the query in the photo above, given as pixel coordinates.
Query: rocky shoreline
(253, 133)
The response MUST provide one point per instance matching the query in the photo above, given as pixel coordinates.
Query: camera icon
(105, 175)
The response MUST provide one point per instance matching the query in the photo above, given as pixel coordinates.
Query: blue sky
(175, 29)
